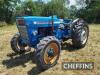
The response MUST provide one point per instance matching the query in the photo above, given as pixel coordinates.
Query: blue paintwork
(32, 24)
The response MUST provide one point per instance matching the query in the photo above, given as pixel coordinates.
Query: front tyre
(16, 45)
(80, 34)
(47, 53)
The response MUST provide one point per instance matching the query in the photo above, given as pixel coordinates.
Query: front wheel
(16, 45)
(47, 53)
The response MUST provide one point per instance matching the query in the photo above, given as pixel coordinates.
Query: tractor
(45, 35)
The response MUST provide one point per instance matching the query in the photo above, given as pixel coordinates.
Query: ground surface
(12, 64)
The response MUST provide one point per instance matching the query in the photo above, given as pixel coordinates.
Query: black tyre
(16, 47)
(80, 33)
(47, 53)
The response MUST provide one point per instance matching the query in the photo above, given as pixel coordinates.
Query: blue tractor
(45, 35)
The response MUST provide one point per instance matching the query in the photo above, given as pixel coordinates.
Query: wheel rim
(51, 53)
(21, 47)
(84, 36)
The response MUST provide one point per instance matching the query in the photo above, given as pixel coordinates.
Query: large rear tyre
(17, 47)
(47, 53)
(80, 34)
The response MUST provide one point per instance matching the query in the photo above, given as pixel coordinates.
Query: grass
(12, 64)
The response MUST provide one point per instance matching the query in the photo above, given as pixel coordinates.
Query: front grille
(23, 32)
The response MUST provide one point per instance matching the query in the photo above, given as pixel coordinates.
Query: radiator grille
(23, 32)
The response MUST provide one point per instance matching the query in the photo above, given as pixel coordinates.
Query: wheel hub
(51, 53)
(22, 45)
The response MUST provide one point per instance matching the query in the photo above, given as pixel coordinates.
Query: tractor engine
(32, 29)
(45, 31)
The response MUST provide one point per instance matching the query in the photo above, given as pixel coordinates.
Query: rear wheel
(16, 45)
(47, 53)
(80, 34)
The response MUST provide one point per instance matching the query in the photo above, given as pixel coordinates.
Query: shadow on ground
(69, 47)
(17, 60)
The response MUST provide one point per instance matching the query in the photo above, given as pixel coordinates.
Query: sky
(72, 2)
(42, 0)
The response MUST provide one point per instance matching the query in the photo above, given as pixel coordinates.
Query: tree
(93, 8)
(7, 8)
(55, 7)
(72, 11)
(91, 11)
(34, 6)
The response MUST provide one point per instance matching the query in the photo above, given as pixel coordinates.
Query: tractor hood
(40, 21)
